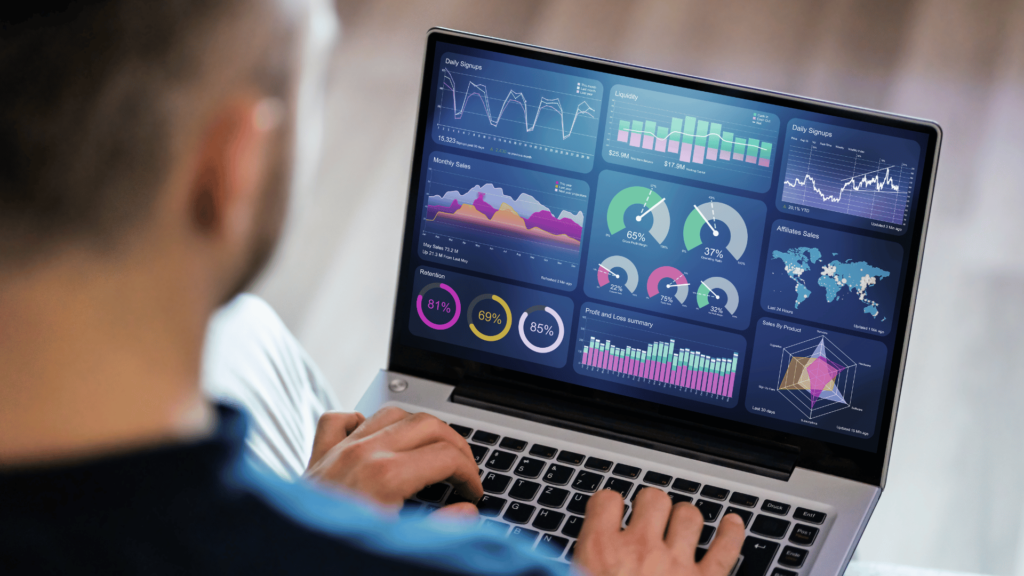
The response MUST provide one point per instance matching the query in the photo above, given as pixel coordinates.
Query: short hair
(94, 98)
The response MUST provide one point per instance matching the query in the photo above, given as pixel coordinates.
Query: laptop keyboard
(538, 493)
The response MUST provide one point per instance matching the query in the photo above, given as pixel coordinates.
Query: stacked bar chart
(703, 139)
(662, 362)
(693, 140)
(677, 363)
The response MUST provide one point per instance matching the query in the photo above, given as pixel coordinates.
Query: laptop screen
(735, 255)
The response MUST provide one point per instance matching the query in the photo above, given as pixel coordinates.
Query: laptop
(619, 277)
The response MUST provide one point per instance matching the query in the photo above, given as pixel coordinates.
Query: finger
(332, 428)
(462, 511)
(604, 515)
(725, 548)
(684, 527)
(417, 430)
(651, 510)
(438, 462)
(383, 418)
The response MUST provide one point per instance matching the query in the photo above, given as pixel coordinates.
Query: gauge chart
(517, 112)
(670, 237)
(657, 354)
(503, 220)
(701, 137)
(457, 310)
(849, 176)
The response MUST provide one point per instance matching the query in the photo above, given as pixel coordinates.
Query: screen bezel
(818, 455)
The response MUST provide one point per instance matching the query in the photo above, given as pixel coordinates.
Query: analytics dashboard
(722, 255)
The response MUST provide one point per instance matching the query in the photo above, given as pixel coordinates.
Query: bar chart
(669, 357)
(693, 138)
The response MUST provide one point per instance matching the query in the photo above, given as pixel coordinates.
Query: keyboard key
(490, 506)
(677, 498)
(551, 546)
(638, 489)
(478, 452)
(628, 519)
(496, 483)
(541, 451)
(587, 481)
(770, 527)
(757, 556)
(558, 474)
(501, 460)
(485, 437)
(572, 549)
(598, 464)
(621, 486)
(523, 534)
(529, 467)
(626, 471)
(456, 497)
(741, 499)
(495, 527)
(714, 493)
(524, 490)
(570, 457)
(687, 486)
(808, 516)
(512, 444)
(578, 503)
(699, 553)
(553, 497)
(462, 430)
(745, 515)
(519, 513)
(792, 557)
(433, 493)
(803, 535)
(775, 507)
(710, 510)
(572, 526)
(705, 535)
(783, 572)
(657, 479)
(548, 520)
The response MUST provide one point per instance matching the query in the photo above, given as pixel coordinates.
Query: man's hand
(660, 539)
(392, 456)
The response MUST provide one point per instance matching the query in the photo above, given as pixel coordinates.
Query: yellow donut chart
(506, 321)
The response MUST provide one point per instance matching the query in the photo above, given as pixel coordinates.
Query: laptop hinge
(664, 434)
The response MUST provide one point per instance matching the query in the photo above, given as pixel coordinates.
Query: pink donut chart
(441, 305)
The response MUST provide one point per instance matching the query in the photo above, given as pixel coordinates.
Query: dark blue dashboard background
(577, 296)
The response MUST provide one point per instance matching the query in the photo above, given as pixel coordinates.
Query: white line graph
(878, 183)
(513, 97)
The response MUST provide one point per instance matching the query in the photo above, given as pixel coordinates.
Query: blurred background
(955, 493)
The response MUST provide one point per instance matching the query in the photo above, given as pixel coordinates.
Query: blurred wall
(954, 496)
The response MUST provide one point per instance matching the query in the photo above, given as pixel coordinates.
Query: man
(147, 150)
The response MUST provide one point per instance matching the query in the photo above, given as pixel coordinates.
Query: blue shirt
(203, 508)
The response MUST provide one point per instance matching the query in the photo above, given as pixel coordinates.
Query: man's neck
(95, 359)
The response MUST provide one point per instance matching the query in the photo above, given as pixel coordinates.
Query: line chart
(518, 112)
(848, 176)
(513, 97)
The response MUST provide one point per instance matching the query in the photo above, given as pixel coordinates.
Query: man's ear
(225, 189)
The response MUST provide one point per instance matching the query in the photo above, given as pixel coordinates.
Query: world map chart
(857, 277)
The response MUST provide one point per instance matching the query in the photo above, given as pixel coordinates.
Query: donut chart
(540, 328)
(653, 210)
(441, 305)
(489, 318)
(677, 281)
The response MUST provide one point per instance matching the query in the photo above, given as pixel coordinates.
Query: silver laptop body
(618, 277)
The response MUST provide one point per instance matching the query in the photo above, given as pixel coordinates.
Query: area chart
(518, 112)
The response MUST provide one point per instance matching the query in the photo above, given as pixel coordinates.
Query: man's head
(160, 130)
